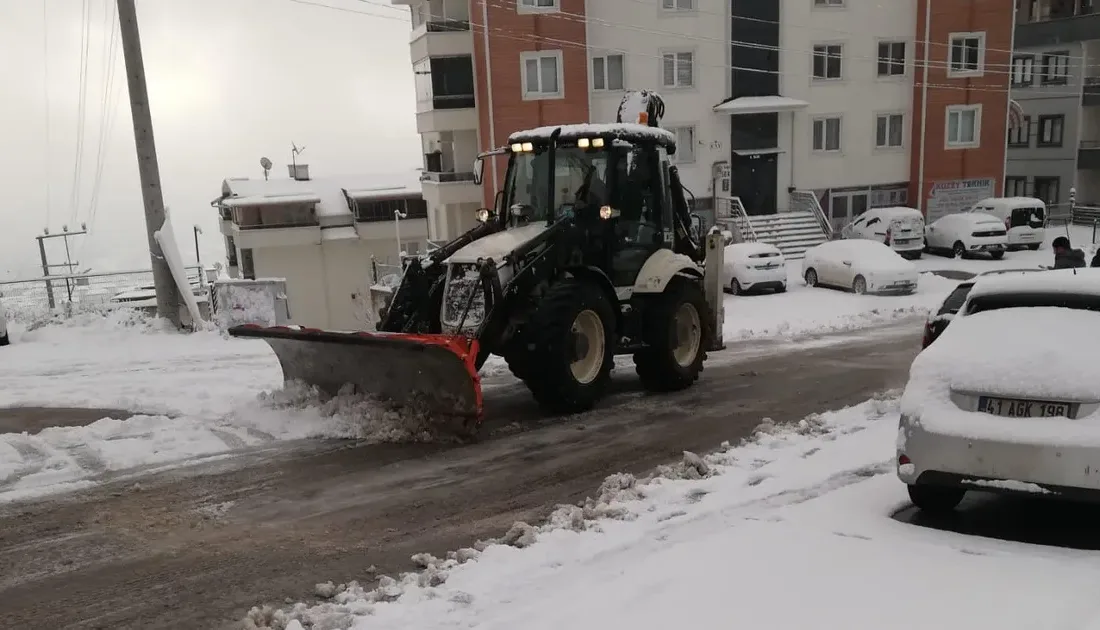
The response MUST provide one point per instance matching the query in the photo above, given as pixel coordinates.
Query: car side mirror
(847, 263)
(479, 169)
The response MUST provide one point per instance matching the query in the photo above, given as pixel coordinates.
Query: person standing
(1065, 256)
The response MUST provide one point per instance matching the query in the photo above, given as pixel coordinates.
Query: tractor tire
(997, 255)
(571, 348)
(677, 333)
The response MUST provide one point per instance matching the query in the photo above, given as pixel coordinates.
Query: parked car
(862, 266)
(941, 317)
(754, 267)
(899, 227)
(988, 408)
(1024, 218)
(966, 234)
(4, 339)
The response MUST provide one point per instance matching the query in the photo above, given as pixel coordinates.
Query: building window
(542, 75)
(607, 72)
(685, 144)
(1056, 68)
(1020, 136)
(827, 61)
(1023, 70)
(231, 251)
(828, 3)
(248, 265)
(678, 69)
(891, 59)
(1046, 189)
(964, 124)
(537, 6)
(1050, 131)
(967, 54)
(826, 133)
(678, 5)
(1015, 187)
(376, 210)
(889, 130)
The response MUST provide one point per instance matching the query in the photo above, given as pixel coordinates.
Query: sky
(230, 81)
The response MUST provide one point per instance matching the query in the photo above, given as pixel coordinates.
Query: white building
(324, 236)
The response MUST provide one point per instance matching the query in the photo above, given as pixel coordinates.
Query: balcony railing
(447, 26)
(1056, 28)
(446, 177)
(255, 217)
(1088, 155)
(1090, 95)
(453, 101)
(383, 209)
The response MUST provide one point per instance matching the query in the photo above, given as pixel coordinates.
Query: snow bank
(804, 311)
(625, 511)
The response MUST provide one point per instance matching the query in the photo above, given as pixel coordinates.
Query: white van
(1025, 219)
(899, 227)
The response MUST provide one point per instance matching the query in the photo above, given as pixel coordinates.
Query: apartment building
(766, 97)
(1056, 81)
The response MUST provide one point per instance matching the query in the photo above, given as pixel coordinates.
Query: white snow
(327, 192)
(589, 130)
(1074, 281)
(1007, 484)
(497, 245)
(791, 531)
(865, 253)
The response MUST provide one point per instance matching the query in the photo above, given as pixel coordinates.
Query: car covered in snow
(1024, 219)
(967, 234)
(941, 317)
(754, 267)
(988, 408)
(899, 227)
(859, 265)
(4, 339)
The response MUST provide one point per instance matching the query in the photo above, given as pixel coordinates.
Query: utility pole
(168, 298)
(68, 264)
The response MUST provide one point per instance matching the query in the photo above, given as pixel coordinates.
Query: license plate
(1012, 408)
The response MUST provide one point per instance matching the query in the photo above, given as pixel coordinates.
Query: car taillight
(888, 235)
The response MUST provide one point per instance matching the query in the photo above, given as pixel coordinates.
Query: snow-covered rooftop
(899, 212)
(608, 131)
(980, 217)
(1084, 281)
(328, 190)
(759, 105)
(1016, 202)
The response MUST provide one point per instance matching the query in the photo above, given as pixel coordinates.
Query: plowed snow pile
(789, 530)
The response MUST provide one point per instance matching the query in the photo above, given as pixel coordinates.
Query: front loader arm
(683, 244)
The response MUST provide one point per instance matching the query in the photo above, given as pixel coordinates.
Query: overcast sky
(230, 81)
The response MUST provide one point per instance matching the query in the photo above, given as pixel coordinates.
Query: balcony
(443, 38)
(449, 187)
(377, 210)
(1090, 96)
(445, 95)
(1088, 155)
(1053, 22)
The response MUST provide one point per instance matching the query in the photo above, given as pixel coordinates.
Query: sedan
(859, 265)
(754, 267)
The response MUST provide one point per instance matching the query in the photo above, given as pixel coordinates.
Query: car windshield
(999, 301)
(580, 179)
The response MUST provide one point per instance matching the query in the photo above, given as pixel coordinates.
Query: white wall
(642, 31)
(303, 269)
(859, 95)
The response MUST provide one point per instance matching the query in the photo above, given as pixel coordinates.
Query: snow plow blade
(433, 373)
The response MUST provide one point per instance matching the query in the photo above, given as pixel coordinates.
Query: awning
(1015, 113)
(750, 152)
(269, 200)
(759, 105)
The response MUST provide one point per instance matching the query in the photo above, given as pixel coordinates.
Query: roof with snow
(327, 192)
(629, 132)
(898, 212)
(1015, 202)
(1084, 281)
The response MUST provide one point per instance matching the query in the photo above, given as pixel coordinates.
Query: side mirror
(479, 169)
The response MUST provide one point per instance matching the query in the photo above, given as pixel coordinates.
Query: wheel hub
(580, 345)
(588, 345)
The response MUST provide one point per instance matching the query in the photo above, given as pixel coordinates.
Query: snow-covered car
(754, 267)
(1024, 218)
(966, 234)
(4, 339)
(899, 227)
(988, 408)
(939, 319)
(860, 265)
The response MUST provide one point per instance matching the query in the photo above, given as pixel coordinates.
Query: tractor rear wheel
(677, 332)
(572, 347)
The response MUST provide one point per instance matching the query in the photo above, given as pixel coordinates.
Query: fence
(27, 300)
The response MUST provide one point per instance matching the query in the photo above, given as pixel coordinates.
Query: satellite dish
(265, 163)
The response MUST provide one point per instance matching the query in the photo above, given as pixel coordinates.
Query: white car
(966, 234)
(1025, 219)
(754, 267)
(899, 227)
(862, 266)
(4, 340)
(1008, 398)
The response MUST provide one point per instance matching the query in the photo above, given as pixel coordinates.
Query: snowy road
(198, 547)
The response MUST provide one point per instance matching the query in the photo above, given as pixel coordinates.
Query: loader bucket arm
(426, 373)
(682, 217)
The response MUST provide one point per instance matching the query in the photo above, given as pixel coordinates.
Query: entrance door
(846, 207)
(754, 178)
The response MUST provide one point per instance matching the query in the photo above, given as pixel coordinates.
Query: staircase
(792, 232)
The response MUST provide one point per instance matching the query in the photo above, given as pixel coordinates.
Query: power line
(498, 33)
(46, 101)
(81, 108)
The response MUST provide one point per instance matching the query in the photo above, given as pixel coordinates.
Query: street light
(397, 216)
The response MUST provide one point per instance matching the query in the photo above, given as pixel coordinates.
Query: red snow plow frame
(435, 372)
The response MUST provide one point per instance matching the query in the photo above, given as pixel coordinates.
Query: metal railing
(729, 211)
(446, 177)
(806, 201)
(31, 299)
